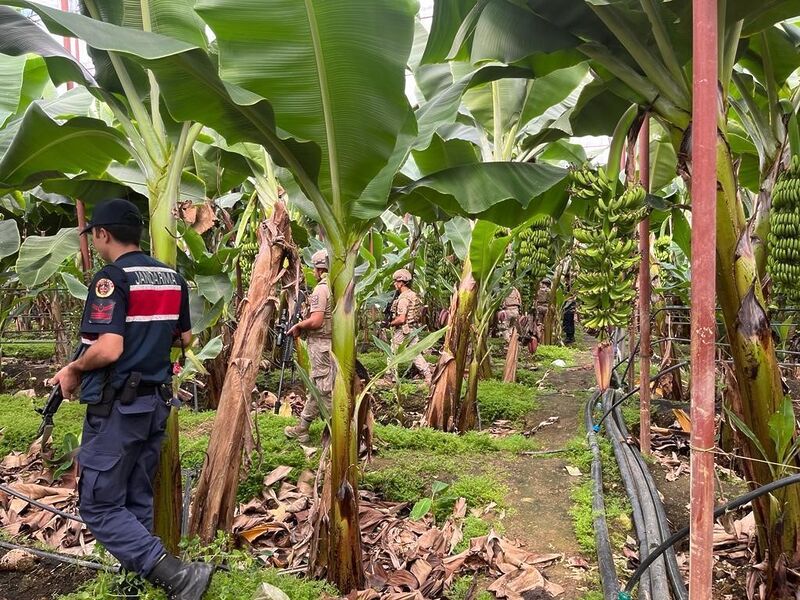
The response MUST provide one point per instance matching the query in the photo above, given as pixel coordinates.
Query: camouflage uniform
(511, 306)
(542, 303)
(408, 304)
(319, 351)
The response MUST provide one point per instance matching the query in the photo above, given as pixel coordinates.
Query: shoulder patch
(101, 311)
(104, 288)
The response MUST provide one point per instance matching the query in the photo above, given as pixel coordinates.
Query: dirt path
(540, 487)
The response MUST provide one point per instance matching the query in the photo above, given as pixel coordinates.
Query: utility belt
(132, 389)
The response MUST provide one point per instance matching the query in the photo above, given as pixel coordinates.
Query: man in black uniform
(137, 308)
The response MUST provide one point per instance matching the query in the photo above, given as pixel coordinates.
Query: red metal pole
(86, 258)
(704, 217)
(66, 40)
(644, 295)
(80, 209)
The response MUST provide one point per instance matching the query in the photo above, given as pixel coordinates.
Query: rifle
(286, 342)
(54, 403)
(387, 310)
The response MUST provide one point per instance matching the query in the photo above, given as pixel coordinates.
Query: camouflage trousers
(398, 337)
(323, 373)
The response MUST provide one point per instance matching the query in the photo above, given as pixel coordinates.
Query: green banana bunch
(534, 248)
(783, 241)
(247, 255)
(606, 251)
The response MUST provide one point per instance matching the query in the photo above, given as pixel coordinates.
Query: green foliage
(373, 361)
(235, 585)
(242, 580)
(592, 595)
(460, 588)
(439, 442)
(498, 400)
(473, 527)
(617, 507)
(477, 490)
(617, 515)
(547, 354)
(31, 350)
(20, 422)
(395, 483)
(276, 451)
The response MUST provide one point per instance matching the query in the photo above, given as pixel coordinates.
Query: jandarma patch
(101, 311)
(104, 288)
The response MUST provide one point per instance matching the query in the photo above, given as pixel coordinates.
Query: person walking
(136, 309)
(317, 326)
(406, 317)
(508, 316)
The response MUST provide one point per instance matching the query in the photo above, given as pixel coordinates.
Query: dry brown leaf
(256, 532)
(402, 578)
(421, 570)
(204, 218)
(276, 475)
(513, 585)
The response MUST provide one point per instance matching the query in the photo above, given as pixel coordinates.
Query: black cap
(116, 211)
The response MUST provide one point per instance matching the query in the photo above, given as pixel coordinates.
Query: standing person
(568, 320)
(136, 309)
(509, 315)
(405, 317)
(317, 326)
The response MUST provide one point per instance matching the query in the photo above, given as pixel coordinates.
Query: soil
(20, 374)
(540, 485)
(45, 581)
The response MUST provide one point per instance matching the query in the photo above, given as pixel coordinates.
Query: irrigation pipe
(679, 535)
(644, 514)
(87, 564)
(635, 390)
(646, 480)
(605, 557)
(12, 492)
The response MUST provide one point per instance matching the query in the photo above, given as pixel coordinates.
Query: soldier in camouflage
(406, 317)
(508, 317)
(317, 326)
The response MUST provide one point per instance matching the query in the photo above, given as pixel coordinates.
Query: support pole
(86, 257)
(644, 296)
(80, 209)
(704, 198)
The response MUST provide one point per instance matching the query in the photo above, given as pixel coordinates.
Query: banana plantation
(400, 299)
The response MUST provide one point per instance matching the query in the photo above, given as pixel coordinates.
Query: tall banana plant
(158, 146)
(653, 72)
(503, 120)
(321, 87)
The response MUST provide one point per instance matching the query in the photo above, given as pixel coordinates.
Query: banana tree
(158, 147)
(487, 249)
(652, 72)
(343, 138)
(501, 119)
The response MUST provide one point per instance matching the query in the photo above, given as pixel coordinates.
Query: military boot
(182, 581)
(299, 432)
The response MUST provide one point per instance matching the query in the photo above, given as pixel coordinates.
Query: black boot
(182, 581)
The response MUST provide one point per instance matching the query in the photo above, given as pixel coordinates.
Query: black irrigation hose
(644, 515)
(87, 564)
(635, 390)
(12, 492)
(673, 571)
(679, 535)
(605, 556)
